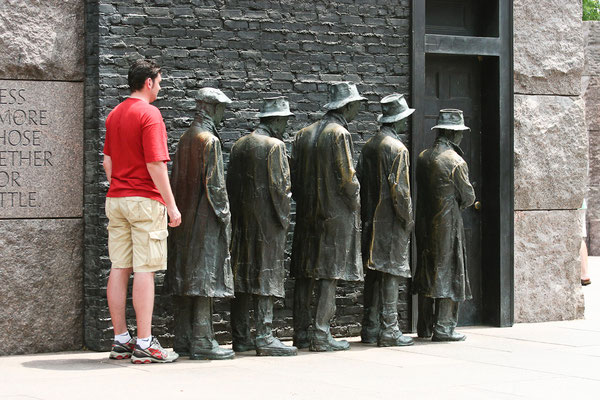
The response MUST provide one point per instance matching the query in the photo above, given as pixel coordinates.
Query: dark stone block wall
(250, 50)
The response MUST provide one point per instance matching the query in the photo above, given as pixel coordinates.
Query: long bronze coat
(199, 263)
(386, 207)
(258, 183)
(443, 190)
(324, 184)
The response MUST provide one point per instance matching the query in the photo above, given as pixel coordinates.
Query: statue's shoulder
(306, 132)
(372, 142)
(393, 145)
(310, 128)
(268, 140)
(241, 142)
(198, 133)
(336, 129)
(453, 157)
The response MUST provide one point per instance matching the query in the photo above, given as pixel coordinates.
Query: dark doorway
(455, 82)
(462, 58)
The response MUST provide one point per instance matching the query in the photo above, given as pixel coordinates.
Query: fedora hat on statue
(342, 93)
(275, 107)
(452, 119)
(394, 108)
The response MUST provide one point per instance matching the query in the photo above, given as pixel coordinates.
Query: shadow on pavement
(69, 364)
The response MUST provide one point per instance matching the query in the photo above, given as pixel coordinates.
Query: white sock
(123, 337)
(144, 343)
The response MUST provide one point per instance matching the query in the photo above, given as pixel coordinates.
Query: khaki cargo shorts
(137, 233)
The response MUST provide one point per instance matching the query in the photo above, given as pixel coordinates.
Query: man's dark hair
(141, 70)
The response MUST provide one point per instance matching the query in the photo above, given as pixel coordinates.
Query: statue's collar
(388, 131)
(264, 130)
(448, 142)
(336, 117)
(206, 122)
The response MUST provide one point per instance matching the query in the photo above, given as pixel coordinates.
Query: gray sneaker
(122, 351)
(155, 353)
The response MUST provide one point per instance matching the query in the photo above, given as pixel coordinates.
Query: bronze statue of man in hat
(326, 244)
(387, 222)
(199, 264)
(258, 183)
(443, 190)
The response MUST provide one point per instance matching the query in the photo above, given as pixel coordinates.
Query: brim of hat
(452, 127)
(334, 105)
(275, 114)
(393, 118)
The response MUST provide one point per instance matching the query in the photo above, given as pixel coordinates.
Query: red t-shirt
(135, 135)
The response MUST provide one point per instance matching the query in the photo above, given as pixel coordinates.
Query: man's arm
(107, 164)
(160, 176)
(466, 193)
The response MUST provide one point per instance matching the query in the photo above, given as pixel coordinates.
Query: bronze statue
(387, 222)
(199, 264)
(326, 237)
(443, 190)
(258, 183)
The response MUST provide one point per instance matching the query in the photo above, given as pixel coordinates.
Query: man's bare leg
(143, 302)
(583, 254)
(116, 294)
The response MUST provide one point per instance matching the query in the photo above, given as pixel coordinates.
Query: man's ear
(149, 83)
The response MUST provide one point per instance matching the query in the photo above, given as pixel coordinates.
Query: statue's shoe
(240, 347)
(276, 348)
(395, 339)
(301, 340)
(328, 344)
(218, 353)
(424, 332)
(369, 335)
(453, 337)
(183, 352)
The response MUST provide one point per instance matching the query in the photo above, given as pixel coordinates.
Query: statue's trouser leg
(371, 310)
(240, 322)
(390, 334)
(183, 324)
(202, 324)
(426, 317)
(325, 305)
(321, 339)
(263, 312)
(266, 344)
(203, 343)
(302, 313)
(446, 319)
(389, 302)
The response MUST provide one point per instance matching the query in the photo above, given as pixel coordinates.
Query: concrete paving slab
(553, 360)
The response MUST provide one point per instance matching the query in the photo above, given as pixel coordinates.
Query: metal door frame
(499, 294)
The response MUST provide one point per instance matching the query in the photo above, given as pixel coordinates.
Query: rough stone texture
(548, 40)
(591, 39)
(41, 149)
(594, 159)
(591, 96)
(42, 285)
(249, 49)
(551, 153)
(547, 282)
(593, 239)
(593, 219)
(41, 39)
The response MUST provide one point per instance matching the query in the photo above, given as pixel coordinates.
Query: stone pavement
(553, 360)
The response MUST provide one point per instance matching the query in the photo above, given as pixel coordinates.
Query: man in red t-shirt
(137, 204)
